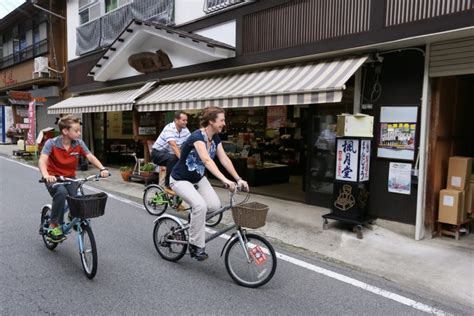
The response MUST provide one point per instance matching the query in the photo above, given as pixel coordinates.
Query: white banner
(347, 159)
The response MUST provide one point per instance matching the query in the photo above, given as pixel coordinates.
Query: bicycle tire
(214, 221)
(45, 218)
(164, 228)
(246, 273)
(89, 252)
(155, 200)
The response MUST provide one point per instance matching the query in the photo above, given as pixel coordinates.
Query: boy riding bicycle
(60, 157)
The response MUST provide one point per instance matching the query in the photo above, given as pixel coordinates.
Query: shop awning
(310, 83)
(121, 100)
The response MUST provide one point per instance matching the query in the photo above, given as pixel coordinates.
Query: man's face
(182, 121)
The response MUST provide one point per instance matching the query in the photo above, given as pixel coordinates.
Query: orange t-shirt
(62, 162)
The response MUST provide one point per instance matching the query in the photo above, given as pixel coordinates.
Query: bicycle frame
(218, 233)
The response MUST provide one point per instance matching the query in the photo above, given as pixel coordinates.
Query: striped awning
(121, 100)
(310, 83)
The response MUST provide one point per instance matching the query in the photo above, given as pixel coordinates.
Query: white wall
(188, 10)
(224, 32)
(72, 23)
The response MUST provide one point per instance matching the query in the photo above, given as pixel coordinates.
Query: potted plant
(125, 171)
(147, 169)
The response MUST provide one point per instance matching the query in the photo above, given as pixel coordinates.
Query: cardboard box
(459, 172)
(357, 125)
(451, 207)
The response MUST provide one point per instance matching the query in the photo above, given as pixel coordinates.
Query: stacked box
(451, 207)
(456, 201)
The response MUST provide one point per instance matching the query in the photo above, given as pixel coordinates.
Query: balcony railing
(28, 52)
(102, 31)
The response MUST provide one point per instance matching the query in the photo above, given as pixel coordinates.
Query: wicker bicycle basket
(251, 215)
(87, 206)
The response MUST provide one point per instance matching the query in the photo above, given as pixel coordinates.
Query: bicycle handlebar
(65, 180)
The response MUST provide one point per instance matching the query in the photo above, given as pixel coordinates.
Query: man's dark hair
(177, 114)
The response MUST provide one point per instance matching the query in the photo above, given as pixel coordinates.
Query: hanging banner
(31, 138)
(399, 178)
(364, 166)
(347, 159)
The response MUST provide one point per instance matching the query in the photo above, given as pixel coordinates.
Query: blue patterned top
(190, 167)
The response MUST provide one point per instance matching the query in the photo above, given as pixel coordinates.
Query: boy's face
(74, 132)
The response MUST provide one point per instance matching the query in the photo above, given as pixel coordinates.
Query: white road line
(334, 275)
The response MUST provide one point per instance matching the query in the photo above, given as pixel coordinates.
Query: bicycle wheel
(155, 200)
(165, 231)
(214, 221)
(89, 252)
(260, 267)
(45, 218)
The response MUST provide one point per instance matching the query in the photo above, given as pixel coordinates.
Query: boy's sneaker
(55, 234)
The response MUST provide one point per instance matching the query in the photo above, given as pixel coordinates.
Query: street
(132, 278)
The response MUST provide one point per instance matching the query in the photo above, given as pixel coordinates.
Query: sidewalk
(441, 266)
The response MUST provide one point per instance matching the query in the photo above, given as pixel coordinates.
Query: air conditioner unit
(41, 68)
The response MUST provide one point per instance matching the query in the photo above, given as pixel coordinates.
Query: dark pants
(59, 193)
(163, 158)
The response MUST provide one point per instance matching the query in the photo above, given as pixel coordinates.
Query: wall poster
(276, 116)
(397, 134)
(399, 178)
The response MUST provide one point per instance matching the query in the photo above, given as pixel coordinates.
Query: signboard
(276, 117)
(364, 166)
(347, 156)
(31, 138)
(146, 130)
(399, 178)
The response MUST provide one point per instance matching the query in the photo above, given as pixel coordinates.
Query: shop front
(280, 122)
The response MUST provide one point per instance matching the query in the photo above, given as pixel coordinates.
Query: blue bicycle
(80, 208)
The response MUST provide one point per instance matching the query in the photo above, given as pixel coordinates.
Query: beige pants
(202, 201)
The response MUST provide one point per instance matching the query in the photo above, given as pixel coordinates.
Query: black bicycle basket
(87, 206)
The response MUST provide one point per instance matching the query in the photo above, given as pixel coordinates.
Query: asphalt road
(133, 279)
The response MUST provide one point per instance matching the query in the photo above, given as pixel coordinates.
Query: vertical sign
(399, 178)
(31, 140)
(364, 166)
(347, 159)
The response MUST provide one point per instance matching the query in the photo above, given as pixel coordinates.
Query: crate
(87, 206)
(251, 215)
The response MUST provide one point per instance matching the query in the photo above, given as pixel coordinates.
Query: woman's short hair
(67, 120)
(210, 114)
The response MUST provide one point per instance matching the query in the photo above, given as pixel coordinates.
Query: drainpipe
(423, 150)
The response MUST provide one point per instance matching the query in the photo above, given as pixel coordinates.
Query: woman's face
(219, 123)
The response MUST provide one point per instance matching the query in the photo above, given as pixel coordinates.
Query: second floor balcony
(102, 31)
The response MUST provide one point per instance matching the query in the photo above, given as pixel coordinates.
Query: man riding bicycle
(60, 157)
(197, 154)
(166, 149)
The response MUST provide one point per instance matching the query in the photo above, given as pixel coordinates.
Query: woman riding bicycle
(197, 154)
(59, 157)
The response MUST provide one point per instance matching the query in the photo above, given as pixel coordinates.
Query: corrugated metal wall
(304, 21)
(451, 58)
(404, 11)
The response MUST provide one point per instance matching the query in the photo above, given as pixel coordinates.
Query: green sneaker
(55, 234)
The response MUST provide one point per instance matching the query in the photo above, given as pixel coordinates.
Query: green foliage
(148, 167)
(125, 168)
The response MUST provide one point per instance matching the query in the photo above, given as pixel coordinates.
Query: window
(111, 5)
(88, 11)
(84, 16)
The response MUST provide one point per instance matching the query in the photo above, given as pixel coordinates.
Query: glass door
(321, 159)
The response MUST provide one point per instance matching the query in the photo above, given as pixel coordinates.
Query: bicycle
(249, 258)
(156, 200)
(81, 208)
